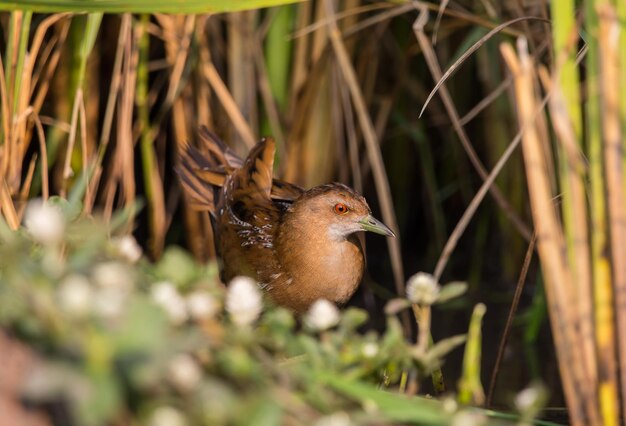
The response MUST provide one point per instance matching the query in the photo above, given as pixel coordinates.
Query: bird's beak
(369, 223)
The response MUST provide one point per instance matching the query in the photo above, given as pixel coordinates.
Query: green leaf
(101, 402)
(177, 266)
(396, 305)
(395, 407)
(136, 335)
(71, 210)
(352, 318)
(451, 291)
(445, 346)
(262, 412)
(470, 387)
(139, 6)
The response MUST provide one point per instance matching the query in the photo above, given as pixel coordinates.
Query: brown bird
(300, 245)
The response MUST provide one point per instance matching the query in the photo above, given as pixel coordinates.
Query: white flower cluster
(104, 292)
(244, 302)
(128, 248)
(184, 372)
(114, 283)
(75, 295)
(340, 418)
(44, 222)
(198, 305)
(322, 315)
(422, 289)
(167, 416)
(370, 349)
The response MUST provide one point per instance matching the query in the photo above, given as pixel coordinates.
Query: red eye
(341, 208)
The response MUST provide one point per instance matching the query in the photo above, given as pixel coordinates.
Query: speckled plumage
(292, 241)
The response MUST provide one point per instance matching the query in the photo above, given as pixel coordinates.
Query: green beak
(369, 223)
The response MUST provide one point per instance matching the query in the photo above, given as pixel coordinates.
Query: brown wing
(217, 148)
(248, 218)
(202, 173)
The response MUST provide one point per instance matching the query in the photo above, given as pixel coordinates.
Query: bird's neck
(319, 264)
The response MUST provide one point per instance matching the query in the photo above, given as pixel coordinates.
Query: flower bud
(422, 289)
(75, 295)
(167, 296)
(202, 305)
(44, 222)
(322, 315)
(243, 301)
(167, 416)
(184, 372)
(128, 248)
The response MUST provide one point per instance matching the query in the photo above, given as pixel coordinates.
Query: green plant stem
(470, 388)
(425, 340)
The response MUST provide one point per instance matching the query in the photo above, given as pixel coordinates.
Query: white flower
(44, 222)
(422, 289)
(468, 418)
(113, 275)
(370, 349)
(243, 301)
(340, 418)
(114, 281)
(184, 372)
(167, 296)
(129, 249)
(528, 399)
(109, 303)
(322, 315)
(201, 305)
(75, 295)
(167, 416)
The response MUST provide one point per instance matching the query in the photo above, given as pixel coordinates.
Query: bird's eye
(341, 208)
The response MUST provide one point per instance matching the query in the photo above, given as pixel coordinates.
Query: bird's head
(339, 210)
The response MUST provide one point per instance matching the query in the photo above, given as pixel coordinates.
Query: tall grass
(584, 271)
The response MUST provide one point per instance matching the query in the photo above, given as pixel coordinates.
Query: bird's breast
(316, 268)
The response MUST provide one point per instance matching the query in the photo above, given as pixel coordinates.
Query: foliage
(120, 340)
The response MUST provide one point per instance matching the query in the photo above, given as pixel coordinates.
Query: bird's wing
(249, 188)
(202, 173)
(199, 182)
(248, 219)
(217, 148)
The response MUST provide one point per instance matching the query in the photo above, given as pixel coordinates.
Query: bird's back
(245, 203)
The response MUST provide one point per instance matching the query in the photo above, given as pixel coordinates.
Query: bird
(299, 245)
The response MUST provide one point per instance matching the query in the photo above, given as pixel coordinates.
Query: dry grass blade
(614, 170)
(469, 52)
(43, 152)
(353, 144)
(371, 143)
(509, 320)
(442, 8)
(461, 225)
(486, 101)
(581, 267)
(229, 104)
(563, 310)
(51, 65)
(26, 184)
(4, 117)
(242, 85)
(268, 100)
(431, 60)
(6, 203)
(322, 23)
